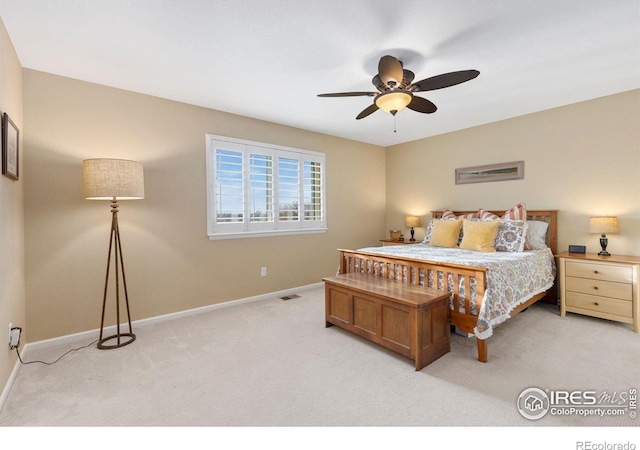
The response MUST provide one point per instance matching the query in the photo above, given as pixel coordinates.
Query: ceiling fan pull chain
(394, 123)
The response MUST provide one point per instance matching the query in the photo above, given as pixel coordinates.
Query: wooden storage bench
(408, 319)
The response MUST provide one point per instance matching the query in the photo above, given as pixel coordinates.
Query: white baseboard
(9, 383)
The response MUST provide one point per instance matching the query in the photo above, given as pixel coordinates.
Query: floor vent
(289, 297)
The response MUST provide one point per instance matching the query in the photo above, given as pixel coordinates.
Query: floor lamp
(114, 179)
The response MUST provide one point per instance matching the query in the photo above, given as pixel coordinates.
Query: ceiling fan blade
(422, 105)
(348, 94)
(407, 78)
(390, 71)
(368, 110)
(377, 82)
(444, 80)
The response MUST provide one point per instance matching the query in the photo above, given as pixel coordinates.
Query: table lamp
(411, 222)
(603, 225)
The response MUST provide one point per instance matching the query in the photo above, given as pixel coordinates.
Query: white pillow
(536, 235)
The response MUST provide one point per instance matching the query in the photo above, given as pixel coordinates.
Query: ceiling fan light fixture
(393, 101)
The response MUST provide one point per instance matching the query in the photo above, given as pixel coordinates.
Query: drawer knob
(595, 271)
(595, 287)
(596, 303)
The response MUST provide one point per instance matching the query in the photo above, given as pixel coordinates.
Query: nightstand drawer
(600, 304)
(595, 271)
(622, 291)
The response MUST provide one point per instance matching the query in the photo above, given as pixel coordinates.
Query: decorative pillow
(448, 214)
(427, 236)
(518, 212)
(486, 215)
(479, 235)
(445, 233)
(511, 236)
(536, 235)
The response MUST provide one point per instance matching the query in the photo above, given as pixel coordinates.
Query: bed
(486, 288)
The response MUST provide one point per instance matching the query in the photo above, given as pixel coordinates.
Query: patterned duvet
(512, 277)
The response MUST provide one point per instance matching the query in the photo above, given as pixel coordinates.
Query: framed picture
(10, 151)
(493, 172)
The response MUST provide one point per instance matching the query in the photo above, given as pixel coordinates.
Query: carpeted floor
(273, 363)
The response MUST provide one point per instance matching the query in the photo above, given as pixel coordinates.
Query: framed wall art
(10, 150)
(492, 172)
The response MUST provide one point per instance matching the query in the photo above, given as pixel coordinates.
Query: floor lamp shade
(114, 179)
(106, 179)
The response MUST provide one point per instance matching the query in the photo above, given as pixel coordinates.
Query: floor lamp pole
(115, 247)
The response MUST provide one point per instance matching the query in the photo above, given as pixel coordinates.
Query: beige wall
(582, 159)
(12, 280)
(171, 265)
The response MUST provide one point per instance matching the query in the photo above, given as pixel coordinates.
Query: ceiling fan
(396, 88)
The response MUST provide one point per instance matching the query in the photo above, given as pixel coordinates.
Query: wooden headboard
(544, 215)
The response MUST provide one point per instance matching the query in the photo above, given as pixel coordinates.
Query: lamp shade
(108, 179)
(412, 221)
(393, 101)
(603, 225)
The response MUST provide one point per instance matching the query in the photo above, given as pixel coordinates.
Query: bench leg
(482, 350)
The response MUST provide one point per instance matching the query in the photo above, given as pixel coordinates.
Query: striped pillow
(486, 215)
(518, 212)
(448, 214)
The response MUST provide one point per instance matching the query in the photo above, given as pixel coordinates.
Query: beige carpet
(272, 363)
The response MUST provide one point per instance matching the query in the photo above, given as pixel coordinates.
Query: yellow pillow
(479, 235)
(445, 233)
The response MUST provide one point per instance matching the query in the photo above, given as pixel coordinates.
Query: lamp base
(119, 343)
(413, 239)
(115, 248)
(603, 243)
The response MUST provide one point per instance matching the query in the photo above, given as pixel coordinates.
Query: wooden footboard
(447, 277)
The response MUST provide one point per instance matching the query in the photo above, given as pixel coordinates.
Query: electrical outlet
(263, 272)
(14, 338)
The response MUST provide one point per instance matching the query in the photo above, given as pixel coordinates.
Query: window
(256, 189)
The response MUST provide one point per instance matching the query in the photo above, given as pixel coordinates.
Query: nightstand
(600, 286)
(386, 242)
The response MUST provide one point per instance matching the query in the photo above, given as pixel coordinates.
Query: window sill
(254, 234)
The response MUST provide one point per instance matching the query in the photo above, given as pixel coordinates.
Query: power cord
(62, 356)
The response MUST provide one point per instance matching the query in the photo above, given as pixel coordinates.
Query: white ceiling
(268, 59)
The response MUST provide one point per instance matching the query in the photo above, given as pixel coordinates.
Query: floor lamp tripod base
(120, 339)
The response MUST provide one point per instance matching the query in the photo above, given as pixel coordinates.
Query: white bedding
(512, 277)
